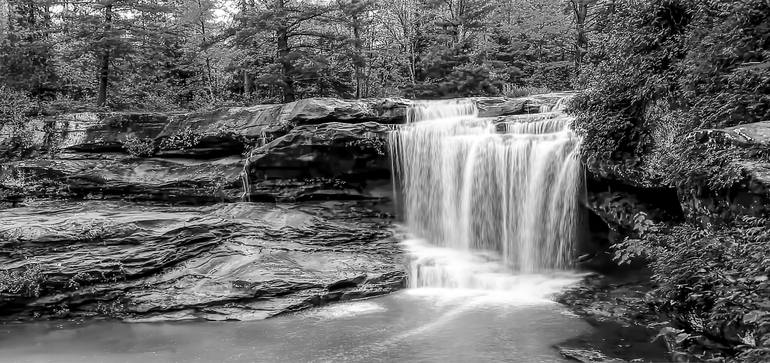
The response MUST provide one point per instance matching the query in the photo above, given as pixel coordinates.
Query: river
(423, 325)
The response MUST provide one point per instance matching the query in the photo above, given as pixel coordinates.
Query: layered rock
(230, 261)
(107, 131)
(324, 157)
(110, 175)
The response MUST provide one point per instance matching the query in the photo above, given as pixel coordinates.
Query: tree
(302, 42)
(355, 15)
(27, 50)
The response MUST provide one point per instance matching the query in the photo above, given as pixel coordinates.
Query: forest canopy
(170, 54)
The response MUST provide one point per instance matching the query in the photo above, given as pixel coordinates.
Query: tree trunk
(208, 60)
(580, 8)
(5, 19)
(357, 45)
(104, 73)
(287, 68)
(246, 85)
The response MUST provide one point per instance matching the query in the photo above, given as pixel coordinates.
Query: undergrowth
(714, 284)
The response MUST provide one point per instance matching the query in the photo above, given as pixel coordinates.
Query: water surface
(417, 325)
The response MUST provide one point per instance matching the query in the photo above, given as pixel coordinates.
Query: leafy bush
(373, 144)
(715, 165)
(183, 139)
(15, 133)
(24, 281)
(137, 147)
(714, 283)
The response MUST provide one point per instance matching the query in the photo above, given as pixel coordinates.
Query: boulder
(238, 261)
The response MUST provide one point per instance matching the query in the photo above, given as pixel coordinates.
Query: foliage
(15, 107)
(181, 140)
(26, 281)
(190, 54)
(662, 69)
(657, 74)
(715, 165)
(513, 91)
(374, 144)
(142, 148)
(714, 283)
(15, 133)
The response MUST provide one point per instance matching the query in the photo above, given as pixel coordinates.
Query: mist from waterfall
(490, 197)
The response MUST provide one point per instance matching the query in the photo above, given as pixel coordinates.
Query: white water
(492, 205)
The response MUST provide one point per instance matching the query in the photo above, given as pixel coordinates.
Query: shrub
(26, 281)
(181, 140)
(137, 147)
(15, 133)
(374, 145)
(714, 283)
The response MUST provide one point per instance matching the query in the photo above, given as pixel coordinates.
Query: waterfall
(485, 192)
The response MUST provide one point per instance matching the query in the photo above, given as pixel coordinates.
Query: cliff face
(310, 149)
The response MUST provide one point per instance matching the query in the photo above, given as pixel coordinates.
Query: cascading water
(490, 199)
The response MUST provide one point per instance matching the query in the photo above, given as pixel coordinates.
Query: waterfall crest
(487, 190)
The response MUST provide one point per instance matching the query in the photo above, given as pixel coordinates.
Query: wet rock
(500, 106)
(618, 308)
(118, 176)
(587, 355)
(326, 161)
(321, 110)
(231, 261)
(619, 298)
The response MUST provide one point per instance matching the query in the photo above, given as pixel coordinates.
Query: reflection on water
(424, 325)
